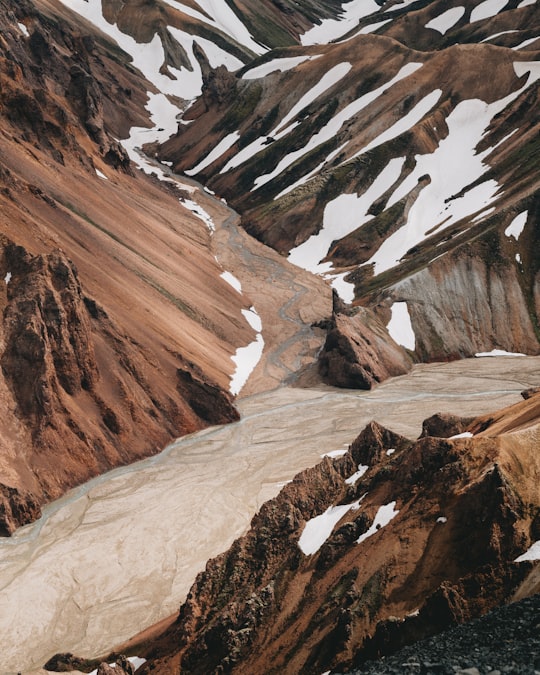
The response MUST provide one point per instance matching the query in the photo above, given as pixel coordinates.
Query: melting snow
(336, 453)
(400, 326)
(487, 9)
(497, 352)
(218, 150)
(357, 475)
(198, 210)
(317, 530)
(446, 20)
(246, 358)
(384, 515)
(23, 29)
(332, 29)
(275, 65)
(232, 281)
(532, 554)
(516, 226)
(341, 216)
(405, 123)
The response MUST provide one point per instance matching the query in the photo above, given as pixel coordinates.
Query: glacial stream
(120, 553)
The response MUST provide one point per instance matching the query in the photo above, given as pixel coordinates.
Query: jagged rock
(529, 393)
(461, 514)
(16, 507)
(358, 352)
(444, 425)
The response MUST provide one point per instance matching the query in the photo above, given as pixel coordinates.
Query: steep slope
(392, 163)
(118, 328)
(392, 542)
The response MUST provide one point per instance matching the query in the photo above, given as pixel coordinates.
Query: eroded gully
(120, 552)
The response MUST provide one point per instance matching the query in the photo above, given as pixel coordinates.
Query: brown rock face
(359, 352)
(426, 538)
(80, 387)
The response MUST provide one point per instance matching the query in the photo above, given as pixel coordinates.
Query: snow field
(332, 29)
(383, 516)
(487, 9)
(317, 530)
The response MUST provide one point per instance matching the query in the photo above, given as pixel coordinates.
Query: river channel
(120, 552)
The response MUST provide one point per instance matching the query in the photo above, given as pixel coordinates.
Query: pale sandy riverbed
(121, 552)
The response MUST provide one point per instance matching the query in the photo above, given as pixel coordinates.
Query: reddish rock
(359, 352)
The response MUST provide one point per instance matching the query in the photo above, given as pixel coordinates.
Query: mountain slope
(118, 327)
(394, 541)
(391, 164)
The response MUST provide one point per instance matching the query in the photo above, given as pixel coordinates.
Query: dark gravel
(505, 641)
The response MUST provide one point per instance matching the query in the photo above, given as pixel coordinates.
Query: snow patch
(446, 20)
(101, 174)
(336, 453)
(384, 515)
(7, 278)
(246, 358)
(487, 9)
(533, 553)
(23, 29)
(136, 661)
(352, 480)
(343, 215)
(232, 281)
(525, 43)
(390, 451)
(332, 29)
(220, 149)
(465, 434)
(400, 326)
(198, 210)
(281, 65)
(516, 226)
(442, 519)
(498, 352)
(317, 530)
(524, 3)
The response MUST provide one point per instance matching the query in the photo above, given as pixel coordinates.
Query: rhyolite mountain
(400, 161)
(390, 147)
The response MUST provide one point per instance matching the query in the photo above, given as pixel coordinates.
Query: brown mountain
(344, 566)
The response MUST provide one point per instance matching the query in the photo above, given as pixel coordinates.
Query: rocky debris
(359, 352)
(458, 512)
(529, 393)
(506, 640)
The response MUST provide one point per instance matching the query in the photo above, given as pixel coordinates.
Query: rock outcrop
(359, 352)
(346, 565)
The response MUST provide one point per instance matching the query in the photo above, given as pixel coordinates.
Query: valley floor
(120, 553)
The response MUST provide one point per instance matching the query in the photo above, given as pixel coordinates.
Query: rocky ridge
(423, 535)
(354, 177)
(117, 327)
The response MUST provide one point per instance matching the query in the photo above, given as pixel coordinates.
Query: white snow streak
(23, 29)
(487, 9)
(498, 352)
(246, 358)
(332, 29)
(275, 65)
(352, 480)
(317, 530)
(214, 154)
(232, 281)
(384, 515)
(341, 216)
(516, 226)
(533, 553)
(524, 3)
(400, 326)
(446, 20)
